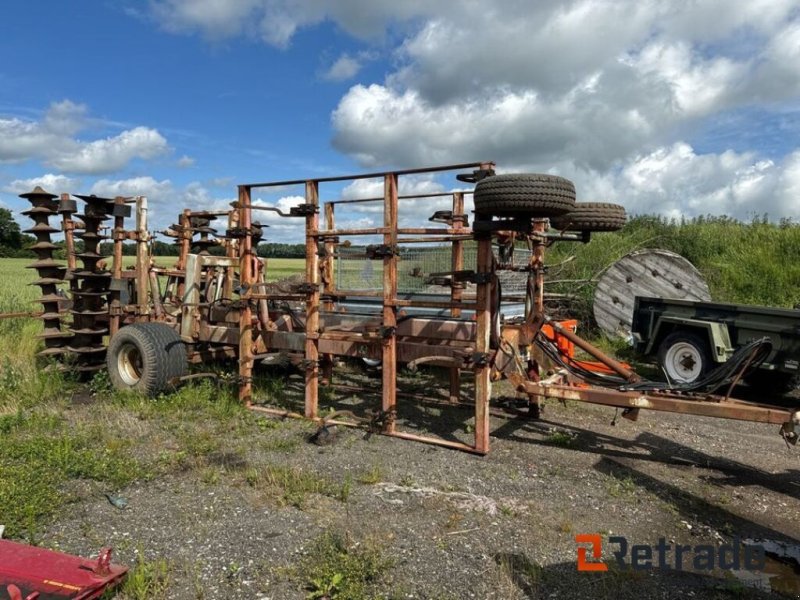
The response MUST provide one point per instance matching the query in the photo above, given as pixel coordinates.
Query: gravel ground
(458, 526)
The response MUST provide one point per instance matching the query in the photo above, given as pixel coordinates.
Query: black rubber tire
(145, 357)
(592, 216)
(696, 352)
(772, 382)
(527, 195)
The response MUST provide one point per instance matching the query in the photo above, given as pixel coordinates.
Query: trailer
(688, 339)
(147, 325)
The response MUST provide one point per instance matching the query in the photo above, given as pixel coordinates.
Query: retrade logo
(597, 552)
(668, 557)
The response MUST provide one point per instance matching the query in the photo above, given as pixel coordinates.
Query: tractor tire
(592, 216)
(684, 356)
(524, 195)
(145, 357)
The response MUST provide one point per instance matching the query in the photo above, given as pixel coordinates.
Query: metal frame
(243, 322)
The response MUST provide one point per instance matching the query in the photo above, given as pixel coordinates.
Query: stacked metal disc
(202, 224)
(50, 273)
(90, 289)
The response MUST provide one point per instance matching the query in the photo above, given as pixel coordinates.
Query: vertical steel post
(456, 288)
(537, 264)
(312, 303)
(143, 265)
(329, 286)
(186, 241)
(389, 363)
(246, 279)
(483, 316)
(118, 235)
(231, 250)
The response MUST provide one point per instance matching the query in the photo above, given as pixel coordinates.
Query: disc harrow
(50, 272)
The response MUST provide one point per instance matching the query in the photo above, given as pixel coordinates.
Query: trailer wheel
(524, 195)
(592, 216)
(144, 357)
(684, 356)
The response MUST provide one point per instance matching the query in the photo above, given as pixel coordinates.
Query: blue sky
(683, 109)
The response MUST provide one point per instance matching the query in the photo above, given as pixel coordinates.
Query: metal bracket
(121, 210)
(387, 332)
(447, 216)
(305, 288)
(381, 251)
(475, 176)
(238, 233)
(472, 277)
(489, 226)
(303, 210)
(480, 359)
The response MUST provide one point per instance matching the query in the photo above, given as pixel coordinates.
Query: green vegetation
(148, 580)
(336, 568)
(562, 439)
(292, 485)
(40, 453)
(748, 263)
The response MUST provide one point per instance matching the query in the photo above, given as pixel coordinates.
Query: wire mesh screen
(354, 271)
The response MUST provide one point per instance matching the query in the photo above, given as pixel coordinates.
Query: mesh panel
(354, 271)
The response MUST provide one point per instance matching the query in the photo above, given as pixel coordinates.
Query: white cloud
(113, 153)
(612, 93)
(185, 162)
(135, 186)
(675, 181)
(344, 68)
(55, 184)
(276, 21)
(52, 141)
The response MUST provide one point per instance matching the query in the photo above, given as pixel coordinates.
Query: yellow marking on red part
(65, 586)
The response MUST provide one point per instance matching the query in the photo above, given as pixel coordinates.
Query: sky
(678, 108)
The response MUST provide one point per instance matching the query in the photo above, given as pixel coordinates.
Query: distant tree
(10, 234)
(12, 242)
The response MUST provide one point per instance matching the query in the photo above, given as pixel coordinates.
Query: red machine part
(567, 348)
(29, 573)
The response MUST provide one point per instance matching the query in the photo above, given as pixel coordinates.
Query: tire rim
(683, 362)
(129, 364)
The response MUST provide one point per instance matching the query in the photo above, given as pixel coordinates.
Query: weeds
(39, 453)
(562, 439)
(622, 487)
(371, 476)
(293, 485)
(148, 580)
(338, 568)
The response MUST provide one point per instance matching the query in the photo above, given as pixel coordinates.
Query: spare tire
(528, 195)
(592, 216)
(145, 357)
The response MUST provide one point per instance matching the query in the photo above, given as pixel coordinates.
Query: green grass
(747, 263)
(293, 485)
(337, 568)
(40, 452)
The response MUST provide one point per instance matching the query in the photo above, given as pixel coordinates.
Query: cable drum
(647, 272)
